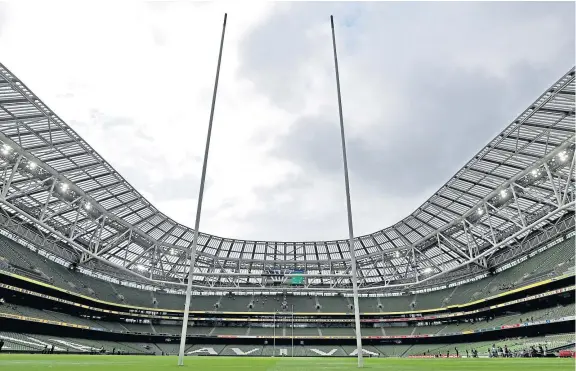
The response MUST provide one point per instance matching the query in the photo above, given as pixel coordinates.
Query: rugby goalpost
(353, 276)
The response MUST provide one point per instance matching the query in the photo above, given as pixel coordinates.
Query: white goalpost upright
(199, 206)
(354, 277)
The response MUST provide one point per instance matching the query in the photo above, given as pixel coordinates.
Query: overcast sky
(425, 86)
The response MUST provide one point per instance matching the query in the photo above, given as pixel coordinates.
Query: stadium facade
(84, 256)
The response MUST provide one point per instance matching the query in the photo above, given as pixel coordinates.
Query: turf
(10, 362)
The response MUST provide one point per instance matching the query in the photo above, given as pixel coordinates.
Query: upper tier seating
(553, 261)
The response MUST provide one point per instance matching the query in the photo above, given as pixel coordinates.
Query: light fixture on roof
(6, 149)
(428, 270)
(141, 267)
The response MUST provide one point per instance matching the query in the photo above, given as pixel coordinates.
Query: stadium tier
(512, 306)
(556, 260)
(33, 343)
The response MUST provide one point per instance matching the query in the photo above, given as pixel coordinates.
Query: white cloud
(149, 67)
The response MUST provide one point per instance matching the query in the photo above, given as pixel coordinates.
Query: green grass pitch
(10, 362)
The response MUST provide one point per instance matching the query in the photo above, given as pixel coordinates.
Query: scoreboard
(279, 277)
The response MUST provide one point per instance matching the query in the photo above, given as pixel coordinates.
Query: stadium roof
(54, 181)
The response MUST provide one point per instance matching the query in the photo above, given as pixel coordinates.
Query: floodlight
(480, 211)
(428, 270)
(535, 172)
(87, 205)
(6, 149)
(64, 187)
(32, 165)
(503, 193)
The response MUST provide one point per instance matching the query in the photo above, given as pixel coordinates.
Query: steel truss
(58, 193)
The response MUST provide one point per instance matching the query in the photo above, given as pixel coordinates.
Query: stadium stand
(398, 330)
(558, 311)
(304, 331)
(490, 286)
(17, 342)
(549, 263)
(30, 343)
(263, 331)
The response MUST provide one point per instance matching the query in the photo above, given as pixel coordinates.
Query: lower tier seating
(34, 343)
